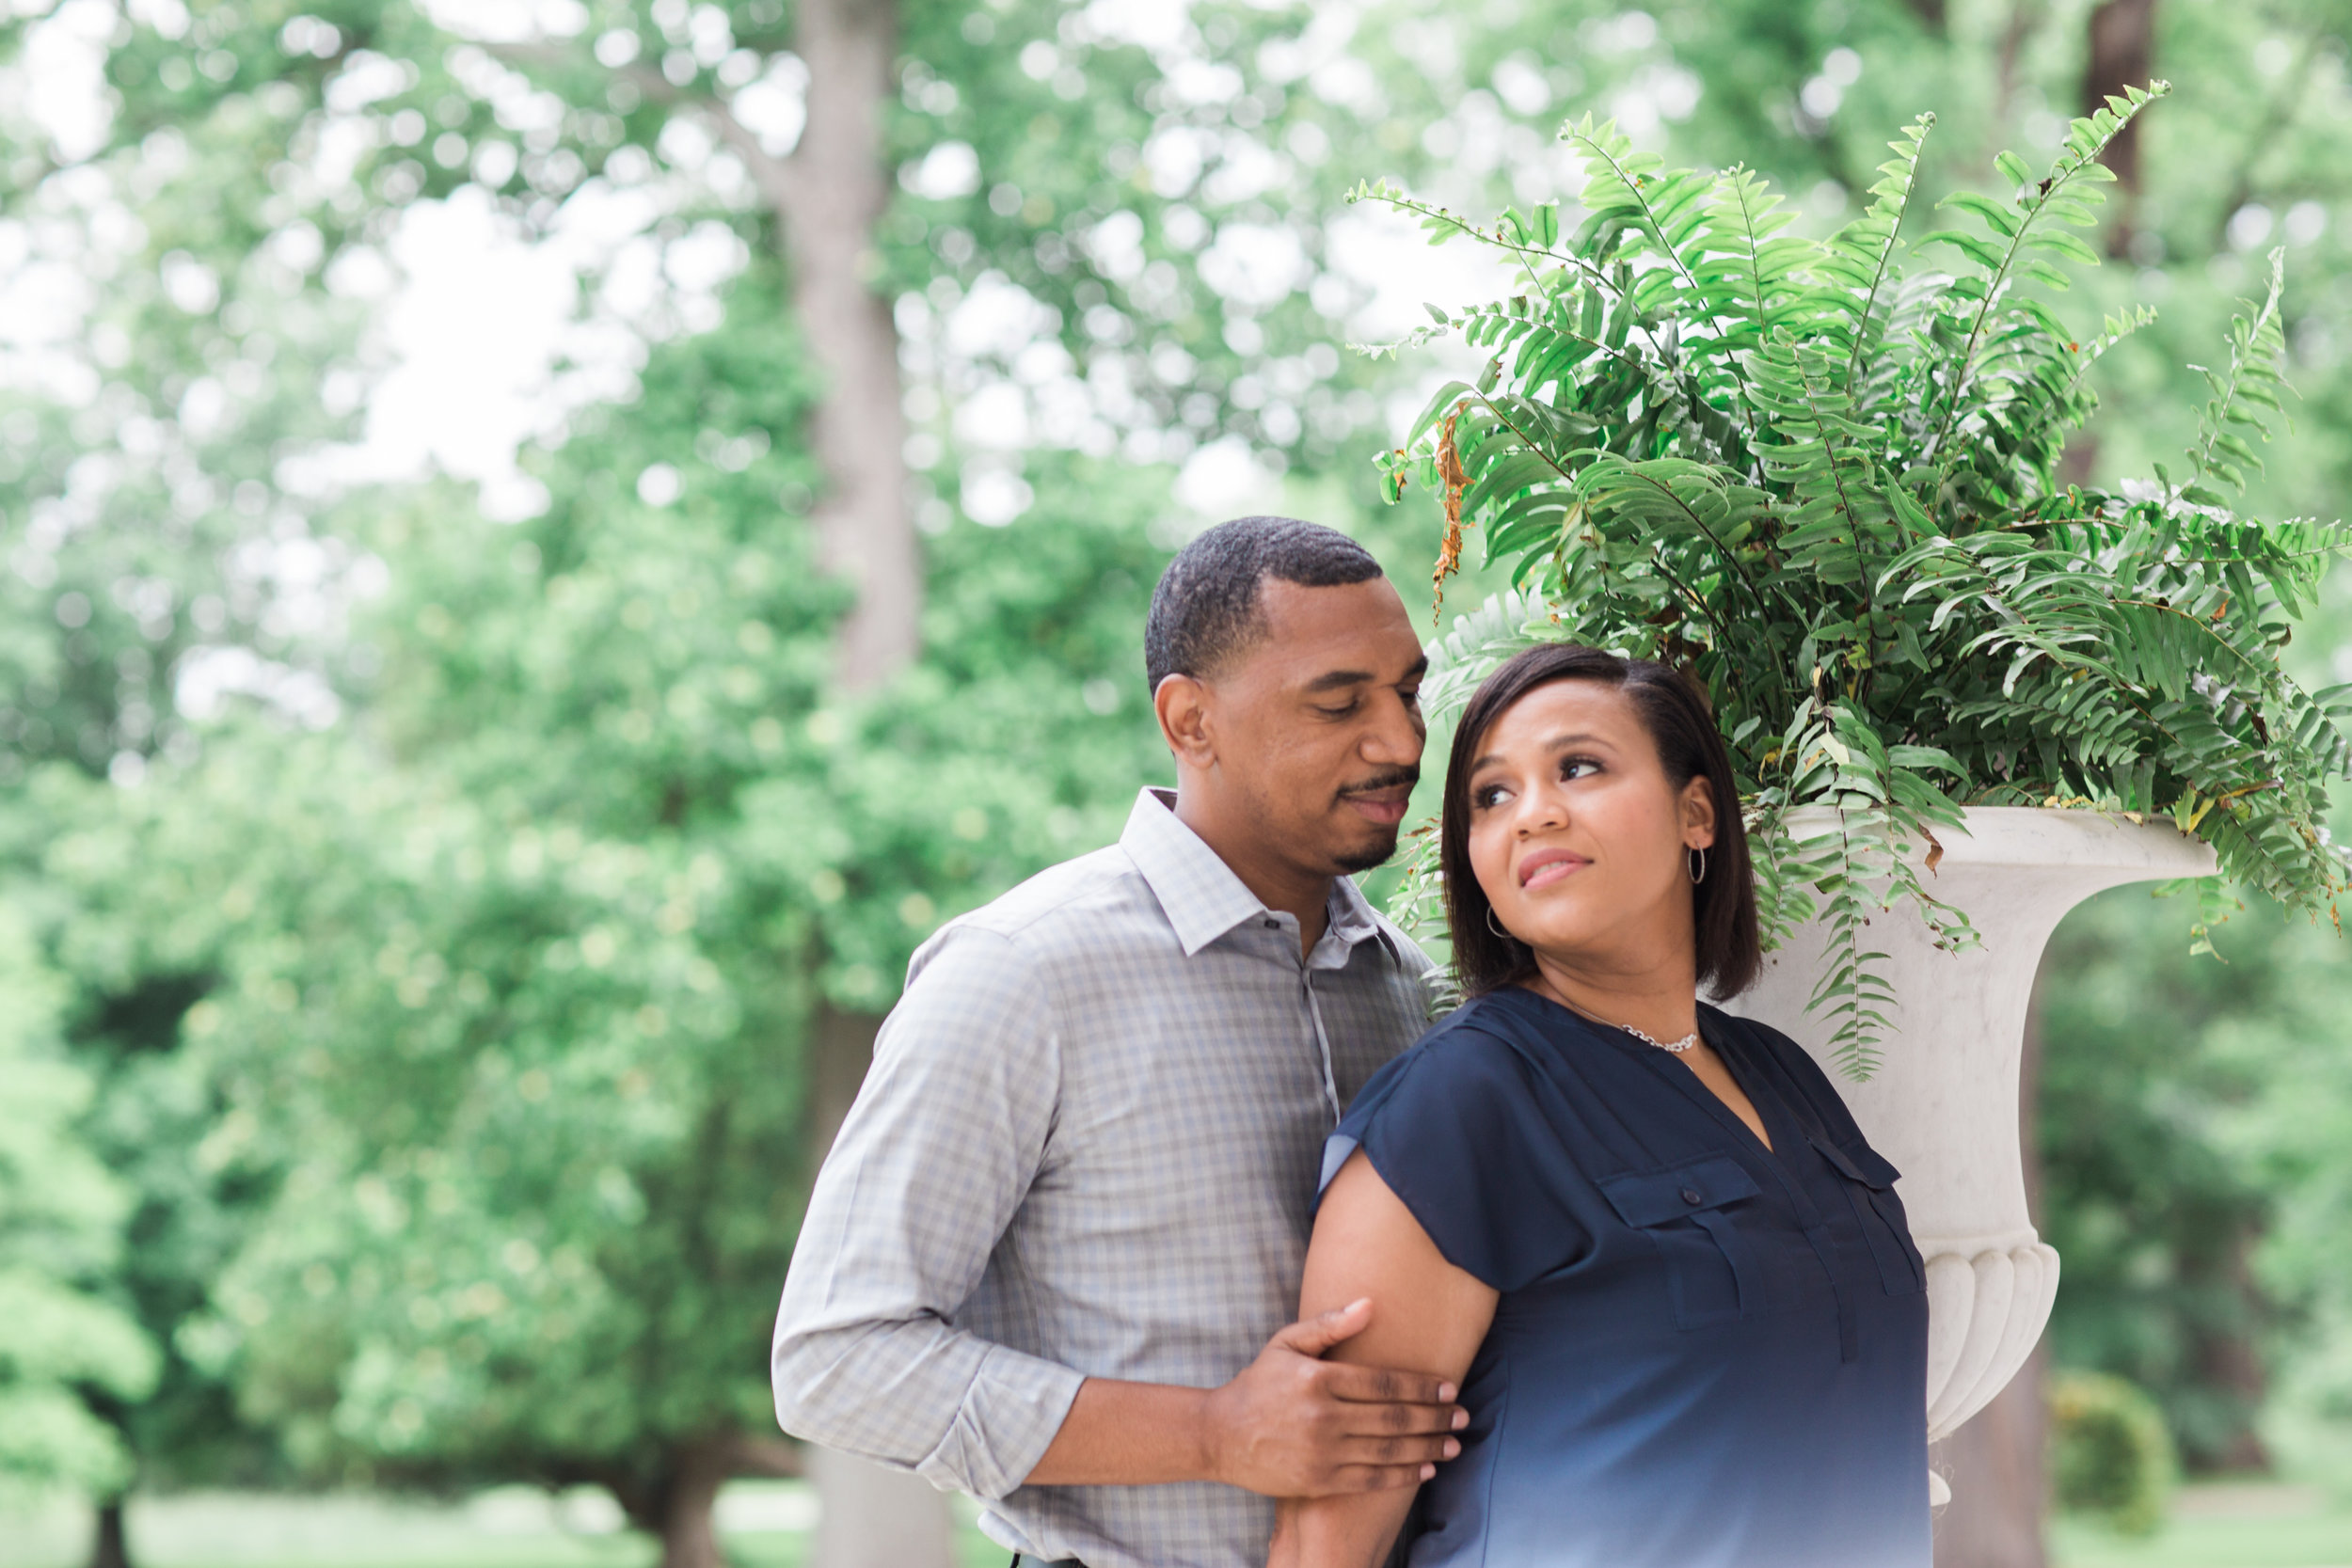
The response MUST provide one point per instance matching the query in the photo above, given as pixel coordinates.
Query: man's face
(1316, 728)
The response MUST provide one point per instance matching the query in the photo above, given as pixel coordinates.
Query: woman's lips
(1546, 866)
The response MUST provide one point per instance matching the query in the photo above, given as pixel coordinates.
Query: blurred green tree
(61, 1341)
(2155, 1213)
(536, 940)
(125, 893)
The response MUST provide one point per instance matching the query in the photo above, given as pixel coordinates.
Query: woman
(1672, 1280)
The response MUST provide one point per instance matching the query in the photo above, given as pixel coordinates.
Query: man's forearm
(1129, 1435)
(1289, 1425)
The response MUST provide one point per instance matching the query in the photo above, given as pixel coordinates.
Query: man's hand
(1292, 1425)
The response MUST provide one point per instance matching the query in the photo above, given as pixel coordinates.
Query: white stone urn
(1942, 1103)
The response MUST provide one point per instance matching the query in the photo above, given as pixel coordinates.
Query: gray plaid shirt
(1087, 1146)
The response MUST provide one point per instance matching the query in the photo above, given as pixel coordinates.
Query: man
(1049, 1259)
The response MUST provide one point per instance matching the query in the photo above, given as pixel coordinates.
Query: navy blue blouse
(1707, 1353)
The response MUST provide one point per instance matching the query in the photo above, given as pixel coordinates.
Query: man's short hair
(1205, 610)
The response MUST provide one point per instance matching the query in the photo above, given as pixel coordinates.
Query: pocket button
(1691, 1195)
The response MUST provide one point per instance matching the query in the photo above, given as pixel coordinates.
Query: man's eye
(1339, 712)
(1412, 698)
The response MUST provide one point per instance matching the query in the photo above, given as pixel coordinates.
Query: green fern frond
(2252, 382)
(1825, 485)
(1635, 194)
(1745, 260)
(1860, 256)
(2061, 196)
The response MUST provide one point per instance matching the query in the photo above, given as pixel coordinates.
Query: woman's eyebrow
(1557, 743)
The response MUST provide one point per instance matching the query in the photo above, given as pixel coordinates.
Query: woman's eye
(1481, 798)
(1578, 767)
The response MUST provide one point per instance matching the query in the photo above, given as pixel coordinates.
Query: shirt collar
(1198, 892)
(1352, 920)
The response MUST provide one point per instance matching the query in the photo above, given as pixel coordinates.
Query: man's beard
(1365, 860)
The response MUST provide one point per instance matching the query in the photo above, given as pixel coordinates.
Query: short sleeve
(1456, 1129)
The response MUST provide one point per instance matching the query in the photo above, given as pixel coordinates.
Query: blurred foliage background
(442, 908)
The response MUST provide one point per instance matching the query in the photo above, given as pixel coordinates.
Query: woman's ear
(1698, 815)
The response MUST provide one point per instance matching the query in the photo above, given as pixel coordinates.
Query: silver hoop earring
(1496, 928)
(1694, 859)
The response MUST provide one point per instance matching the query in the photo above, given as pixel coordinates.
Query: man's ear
(1182, 704)
(1698, 815)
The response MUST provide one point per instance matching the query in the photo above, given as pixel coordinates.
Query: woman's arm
(1428, 1317)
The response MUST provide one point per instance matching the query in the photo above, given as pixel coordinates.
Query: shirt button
(1691, 1196)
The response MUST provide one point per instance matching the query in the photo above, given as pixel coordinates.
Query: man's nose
(1395, 735)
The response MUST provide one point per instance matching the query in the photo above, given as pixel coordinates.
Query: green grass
(511, 1528)
(2221, 1527)
(2252, 1526)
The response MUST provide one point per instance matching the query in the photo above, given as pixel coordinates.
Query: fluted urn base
(1942, 1105)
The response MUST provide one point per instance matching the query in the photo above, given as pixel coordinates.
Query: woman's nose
(1540, 811)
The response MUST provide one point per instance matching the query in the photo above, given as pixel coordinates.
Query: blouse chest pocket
(1711, 1270)
(1869, 1182)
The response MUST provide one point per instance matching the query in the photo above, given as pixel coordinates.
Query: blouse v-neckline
(1768, 1143)
(1685, 1078)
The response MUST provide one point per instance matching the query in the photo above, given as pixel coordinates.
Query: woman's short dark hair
(1674, 711)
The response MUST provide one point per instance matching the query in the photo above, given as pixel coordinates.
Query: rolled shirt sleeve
(933, 1160)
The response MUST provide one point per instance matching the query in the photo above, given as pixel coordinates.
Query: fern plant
(1824, 479)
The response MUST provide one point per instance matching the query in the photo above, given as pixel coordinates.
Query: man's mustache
(1400, 778)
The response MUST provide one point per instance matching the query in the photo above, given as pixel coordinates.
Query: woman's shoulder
(1760, 1033)
(1481, 1049)
(1495, 1029)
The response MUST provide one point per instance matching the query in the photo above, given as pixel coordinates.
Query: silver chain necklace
(1678, 1047)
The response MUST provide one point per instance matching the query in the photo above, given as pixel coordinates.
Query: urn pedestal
(1942, 1104)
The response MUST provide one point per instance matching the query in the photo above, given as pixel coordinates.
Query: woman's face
(1576, 832)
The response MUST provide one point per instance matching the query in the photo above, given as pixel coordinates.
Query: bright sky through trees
(483, 342)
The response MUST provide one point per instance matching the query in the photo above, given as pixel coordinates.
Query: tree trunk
(1999, 1480)
(2122, 53)
(2024, 16)
(2228, 1358)
(109, 1547)
(826, 197)
(829, 199)
(842, 1050)
(839, 190)
(690, 1534)
(1996, 1464)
